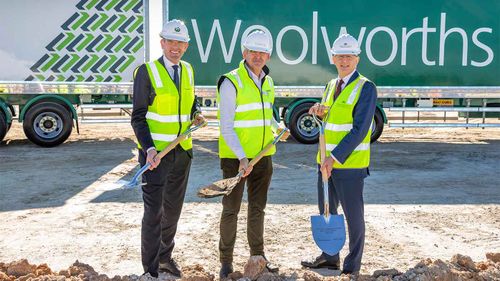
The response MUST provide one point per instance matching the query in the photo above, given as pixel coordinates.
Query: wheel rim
(306, 126)
(48, 125)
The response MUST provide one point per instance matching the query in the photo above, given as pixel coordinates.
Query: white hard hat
(346, 45)
(175, 30)
(258, 41)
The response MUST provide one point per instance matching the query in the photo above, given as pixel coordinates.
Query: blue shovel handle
(135, 180)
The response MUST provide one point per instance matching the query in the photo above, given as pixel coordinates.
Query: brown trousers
(258, 184)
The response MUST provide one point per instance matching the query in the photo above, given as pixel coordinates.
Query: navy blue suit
(346, 185)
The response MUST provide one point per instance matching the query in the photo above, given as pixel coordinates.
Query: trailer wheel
(377, 126)
(47, 124)
(283, 116)
(4, 127)
(302, 125)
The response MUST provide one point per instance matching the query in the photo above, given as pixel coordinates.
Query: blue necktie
(176, 76)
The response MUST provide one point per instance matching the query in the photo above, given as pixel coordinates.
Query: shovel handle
(267, 148)
(322, 146)
(180, 138)
(324, 174)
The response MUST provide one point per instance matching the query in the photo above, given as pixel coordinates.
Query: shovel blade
(219, 188)
(329, 234)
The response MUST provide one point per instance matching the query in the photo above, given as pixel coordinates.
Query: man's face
(173, 49)
(256, 60)
(345, 63)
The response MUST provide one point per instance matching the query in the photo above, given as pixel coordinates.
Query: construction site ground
(432, 193)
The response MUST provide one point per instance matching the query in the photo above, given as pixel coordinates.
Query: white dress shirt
(227, 107)
(168, 65)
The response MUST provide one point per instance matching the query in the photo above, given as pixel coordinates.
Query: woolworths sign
(404, 43)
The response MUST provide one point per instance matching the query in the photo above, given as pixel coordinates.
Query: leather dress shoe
(225, 270)
(348, 272)
(171, 267)
(321, 262)
(148, 277)
(270, 266)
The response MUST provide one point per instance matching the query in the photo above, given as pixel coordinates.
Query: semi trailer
(60, 58)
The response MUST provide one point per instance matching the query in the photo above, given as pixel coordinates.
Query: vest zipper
(179, 91)
(263, 117)
(263, 110)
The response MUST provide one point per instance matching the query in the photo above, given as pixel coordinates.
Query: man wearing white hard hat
(348, 107)
(164, 106)
(246, 97)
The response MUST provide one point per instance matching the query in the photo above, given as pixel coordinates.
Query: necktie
(176, 76)
(338, 89)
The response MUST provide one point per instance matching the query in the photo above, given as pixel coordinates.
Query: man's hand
(151, 159)
(285, 135)
(327, 166)
(318, 110)
(244, 167)
(198, 119)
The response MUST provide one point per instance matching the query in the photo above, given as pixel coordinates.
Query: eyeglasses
(345, 57)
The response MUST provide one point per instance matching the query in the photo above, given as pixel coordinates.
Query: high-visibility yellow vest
(339, 121)
(170, 113)
(254, 112)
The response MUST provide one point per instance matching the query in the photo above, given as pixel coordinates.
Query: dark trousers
(163, 197)
(348, 191)
(258, 184)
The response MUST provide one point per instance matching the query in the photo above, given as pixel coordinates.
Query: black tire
(4, 127)
(283, 116)
(47, 124)
(378, 126)
(302, 125)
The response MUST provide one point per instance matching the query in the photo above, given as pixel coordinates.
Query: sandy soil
(432, 193)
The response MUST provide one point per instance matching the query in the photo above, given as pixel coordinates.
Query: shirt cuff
(193, 116)
(274, 125)
(335, 159)
(240, 155)
(151, 148)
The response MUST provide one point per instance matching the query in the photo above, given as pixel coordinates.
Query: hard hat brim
(258, 49)
(174, 37)
(346, 53)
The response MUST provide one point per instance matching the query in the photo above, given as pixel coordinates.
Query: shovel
(328, 230)
(135, 180)
(225, 186)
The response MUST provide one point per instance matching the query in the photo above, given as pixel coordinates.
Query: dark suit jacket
(363, 116)
(142, 98)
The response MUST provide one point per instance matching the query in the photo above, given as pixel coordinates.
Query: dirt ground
(432, 193)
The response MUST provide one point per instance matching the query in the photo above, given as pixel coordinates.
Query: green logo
(177, 29)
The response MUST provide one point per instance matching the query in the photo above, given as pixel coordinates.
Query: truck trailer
(60, 58)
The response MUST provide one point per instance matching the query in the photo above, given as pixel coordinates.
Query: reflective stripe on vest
(362, 146)
(253, 106)
(339, 122)
(253, 113)
(170, 113)
(167, 118)
(163, 137)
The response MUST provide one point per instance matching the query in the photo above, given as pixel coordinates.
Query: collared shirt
(227, 107)
(346, 79)
(170, 69)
